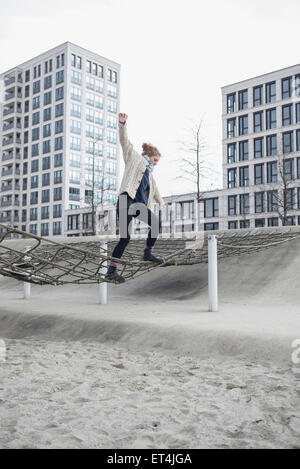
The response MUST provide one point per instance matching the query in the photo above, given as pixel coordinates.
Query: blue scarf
(150, 164)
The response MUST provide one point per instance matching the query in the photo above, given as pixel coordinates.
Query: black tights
(125, 216)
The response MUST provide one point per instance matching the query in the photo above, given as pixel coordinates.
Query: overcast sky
(175, 56)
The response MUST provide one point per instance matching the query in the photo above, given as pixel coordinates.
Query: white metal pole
(103, 285)
(27, 289)
(212, 273)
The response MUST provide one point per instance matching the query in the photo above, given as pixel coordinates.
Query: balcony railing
(7, 188)
(6, 203)
(5, 219)
(74, 197)
(7, 172)
(7, 141)
(10, 96)
(10, 80)
(8, 126)
(8, 111)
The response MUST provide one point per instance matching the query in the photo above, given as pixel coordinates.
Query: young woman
(139, 188)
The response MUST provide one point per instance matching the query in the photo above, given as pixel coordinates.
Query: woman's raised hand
(123, 118)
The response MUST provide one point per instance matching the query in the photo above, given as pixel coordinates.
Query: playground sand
(71, 394)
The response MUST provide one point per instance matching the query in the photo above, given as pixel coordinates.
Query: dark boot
(148, 256)
(112, 274)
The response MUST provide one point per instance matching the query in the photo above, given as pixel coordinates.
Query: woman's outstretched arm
(126, 145)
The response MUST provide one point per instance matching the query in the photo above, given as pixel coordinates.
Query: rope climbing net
(83, 260)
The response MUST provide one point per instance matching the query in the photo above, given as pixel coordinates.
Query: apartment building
(58, 140)
(261, 150)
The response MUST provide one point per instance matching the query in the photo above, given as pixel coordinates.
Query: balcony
(6, 203)
(10, 96)
(5, 219)
(7, 157)
(7, 188)
(9, 81)
(7, 141)
(6, 112)
(7, 172)
(8, 126)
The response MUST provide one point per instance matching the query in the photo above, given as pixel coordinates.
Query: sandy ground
(153, 368)
(91, 395)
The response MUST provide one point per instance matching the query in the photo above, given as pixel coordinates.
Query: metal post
(212, 273)
(27, 285)
(27, 289)
(103, 285)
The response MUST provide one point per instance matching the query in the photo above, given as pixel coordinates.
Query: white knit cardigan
(135, 167)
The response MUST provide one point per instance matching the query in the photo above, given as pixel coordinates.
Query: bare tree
(194, 166)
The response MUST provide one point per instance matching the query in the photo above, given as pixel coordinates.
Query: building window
(271, 92)
(47, 114)
(34, 198)
(287, 114)
(243, 150)
(73, 222)
(232, 204)
(46, 163)
(47, 130)
(297, 113)
(288, 169)
(60, 77)
(231, 152)
(57, 228)
(57, 194)
(288, 145)
(57, 211)
(286, 88)
(258, 147)
(76, 77)
(258, 121)
(46, 146)
(47, 82)
(289, 199)
(59, 110)
(36, 87)
(259, 223)
(290, 221)
(33, 229)
(44, 229)
(36, 102)
(273, 222)
(58, 143)
(298, 168)
(35, 149)
(244, 176)
(47, 98)
(34, 166)
(45, 214)
(59, 93)
(259, 202)
(36, 118)
(35, 133)
(232, 225)
(211, 226)
(232, 178)
(271, 145)
(259, 174)
(257, 96)
(57, 177)
(34, 182)
(271, 120)
(244, 224)
(244, 204)
(211, 208)
(231, 128)
(243, 125)
(46, 179)
(59, 126)
(58, 160)
(272, 172)
(45, 196)
(272, 201)
(243, 100)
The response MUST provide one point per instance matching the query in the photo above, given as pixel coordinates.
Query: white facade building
(59, 124)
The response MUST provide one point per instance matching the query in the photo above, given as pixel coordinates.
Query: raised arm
(125, 143)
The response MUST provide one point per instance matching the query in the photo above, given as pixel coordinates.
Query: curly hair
(150, 150)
